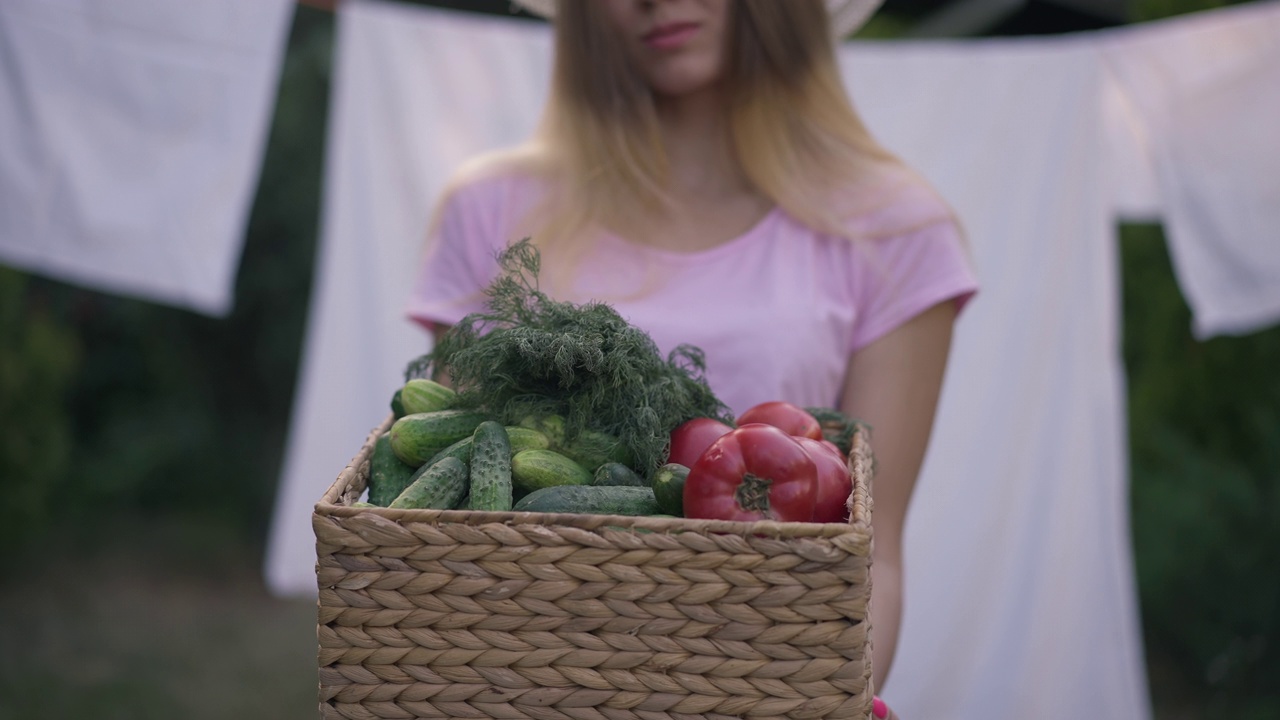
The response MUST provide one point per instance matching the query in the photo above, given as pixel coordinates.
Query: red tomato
(792, 419)
(834, 483)
(756, 472)
(692, 438)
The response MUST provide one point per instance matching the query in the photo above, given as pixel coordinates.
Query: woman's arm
(893, 385)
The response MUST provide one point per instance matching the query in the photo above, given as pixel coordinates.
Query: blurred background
(140, 447)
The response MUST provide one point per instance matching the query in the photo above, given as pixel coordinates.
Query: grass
(151, 624)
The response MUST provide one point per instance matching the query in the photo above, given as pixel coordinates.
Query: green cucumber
(491, 468)
(536, 469)
(437, 487)
(523, 438)
(616, 474)
(388, 474)
(460, 450)
(591, 500)
(668, 487)
(520, 439)
(397, 406)
(550, 425)
(421, 395)
(589, 448)
(363, 505)
(417, 437)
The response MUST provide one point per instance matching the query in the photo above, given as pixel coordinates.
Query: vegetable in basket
(692, 438)
(793, 419)
(755, 472)
(529, 355)
(834, 484)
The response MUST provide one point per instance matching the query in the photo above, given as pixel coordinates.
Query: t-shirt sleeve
(459, 263)
(902, 276)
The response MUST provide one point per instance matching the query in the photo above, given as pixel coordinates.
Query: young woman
(700, 167)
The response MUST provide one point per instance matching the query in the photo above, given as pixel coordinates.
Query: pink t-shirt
(778, 310)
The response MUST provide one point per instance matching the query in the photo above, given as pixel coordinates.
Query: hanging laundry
(415, 93)
(131, 136)
(1021, 598)
(1020, 595)
(1205, 89)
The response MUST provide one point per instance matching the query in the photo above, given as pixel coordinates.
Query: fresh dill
(528, 355)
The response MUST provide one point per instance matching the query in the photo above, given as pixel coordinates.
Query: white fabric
(416, 92)
(131, 135)
(1207, 90)
(1021, 600)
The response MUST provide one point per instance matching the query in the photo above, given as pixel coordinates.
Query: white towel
(1206, 90)
(1020, 590)
(131, 135)
(416, 92)
(1020, 597)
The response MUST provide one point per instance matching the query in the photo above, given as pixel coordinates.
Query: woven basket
(464, 614)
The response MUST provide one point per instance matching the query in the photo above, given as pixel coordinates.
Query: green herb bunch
(531, 356)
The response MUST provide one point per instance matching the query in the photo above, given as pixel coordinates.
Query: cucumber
(536, 469)
(591, 500)
(397, 406)
(417, 437)
(388, 475)
(617, 475)
(668, 487)
(438, 487)
(550, 425)
(520, 439)
(592, 449)
(460, 450)
(526, 439)
(363, 505)
(421, 395)
(589, 448)
(490, 468)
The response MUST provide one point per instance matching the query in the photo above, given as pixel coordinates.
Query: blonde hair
(793, 128)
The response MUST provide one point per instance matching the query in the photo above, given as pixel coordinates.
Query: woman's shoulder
(897, 210)
(496, 177)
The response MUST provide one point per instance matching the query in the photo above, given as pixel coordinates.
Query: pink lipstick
(670, 36)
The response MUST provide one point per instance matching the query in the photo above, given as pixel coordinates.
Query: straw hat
(846, 15)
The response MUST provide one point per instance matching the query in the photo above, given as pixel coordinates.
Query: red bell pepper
(756, 472)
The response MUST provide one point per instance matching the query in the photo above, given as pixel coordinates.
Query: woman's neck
(699, 147)
(709, 198)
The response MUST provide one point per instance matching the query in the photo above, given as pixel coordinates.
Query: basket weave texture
(464, 614)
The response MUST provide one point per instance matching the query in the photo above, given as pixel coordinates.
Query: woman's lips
(670, 36)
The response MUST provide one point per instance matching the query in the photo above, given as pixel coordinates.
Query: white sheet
(1020, 591)
(1019, 579)
(131, 136)
(1206, 88)
(416, 92)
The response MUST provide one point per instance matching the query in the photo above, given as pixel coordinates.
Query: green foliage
(531, 355)
(39, 356)
(1143, 10)
(116, 407)
(1204, 423)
